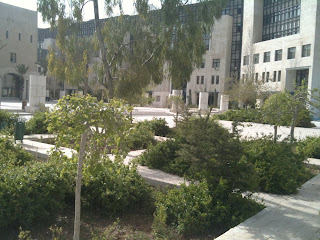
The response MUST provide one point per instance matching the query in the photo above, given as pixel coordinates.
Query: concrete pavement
(293, 217)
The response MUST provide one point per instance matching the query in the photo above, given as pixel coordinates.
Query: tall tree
(21, 69)
(172, 34)
(71, 62)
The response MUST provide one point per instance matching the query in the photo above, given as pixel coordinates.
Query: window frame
(306, 50)
(266, 56)
(216, 63)
(291, 53)
(277, 56)
(13, 57)
(256, 58)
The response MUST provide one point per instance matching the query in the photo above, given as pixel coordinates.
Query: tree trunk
(77, 210)
(275, 133)
(109, 80)
(294, 119)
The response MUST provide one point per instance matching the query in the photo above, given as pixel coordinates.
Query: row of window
(306, 52)
(214, 79)
(265, 77)
(215, 63)
(19, 36)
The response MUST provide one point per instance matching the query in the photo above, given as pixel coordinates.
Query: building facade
(19, 40)
(281, 43)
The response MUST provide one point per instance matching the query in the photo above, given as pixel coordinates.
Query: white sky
(88, 10)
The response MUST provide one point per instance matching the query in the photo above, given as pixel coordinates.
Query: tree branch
(151, 56)
(85, 4)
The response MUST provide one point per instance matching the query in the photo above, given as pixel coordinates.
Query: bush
(31, 193)
(38, 124)
(140, 137)
(212, 153)
(158, 126)
(304, 119)
(187, 209)
(256, 116)
(242, 115)
(7, 120)
(310, 147)
(194, 209)
(116, 188)
(163, 157)
(280, 170)
(12, 155)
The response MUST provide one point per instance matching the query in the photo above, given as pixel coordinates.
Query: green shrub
(158, 126)
(31, 193)
(241, 115)
(212, 153)
(116, 188)
(187, 209)
(195, 209)
(310, 147)
(38, 124)
(280, 169)
(12, 155)
(163, 157)
(7, 120)
(140, 137)
(304, 119)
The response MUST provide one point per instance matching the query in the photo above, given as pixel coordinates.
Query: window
(31, 38)
(278, 55)
(216, 63)
(280, 18)
(198, 78)
(256, 58)
(274, 76)
(203, 64)
(291, 53)
(13, 57)
(19, 36)
(266, 57)
(263, 76)
(157, 98)
(256, 78)
(267, 77)
(7, 34)
(279, 76)
(217, 79)
(245, 60)
(206, 41)
(212, 80)
(202, 79)
(39, 69)
(306, 50)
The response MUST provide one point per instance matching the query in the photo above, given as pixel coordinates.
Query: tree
(285, 109)
(71, 62)
(95, 129)
(245, 91)
(135, 49)
(21, 70)
(275, 111)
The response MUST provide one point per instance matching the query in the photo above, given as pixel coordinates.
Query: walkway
(293, 217)
(153, 176)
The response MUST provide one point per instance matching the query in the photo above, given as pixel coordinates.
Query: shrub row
(256, 116)
(208, 151)
(193, 210)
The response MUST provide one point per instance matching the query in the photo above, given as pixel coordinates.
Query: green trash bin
(19, 128)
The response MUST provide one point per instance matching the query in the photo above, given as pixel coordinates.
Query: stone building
(19, 38)
(281, 41)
